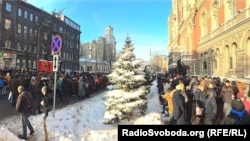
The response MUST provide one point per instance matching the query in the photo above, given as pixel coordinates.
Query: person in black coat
(179, 114)
(189, 104)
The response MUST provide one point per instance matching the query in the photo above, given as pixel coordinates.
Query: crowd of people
(41, 87)
(203, 100)
(184, 99)
(81, 85)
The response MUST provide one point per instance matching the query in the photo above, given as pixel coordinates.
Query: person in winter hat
(237, 114)
(21, 108)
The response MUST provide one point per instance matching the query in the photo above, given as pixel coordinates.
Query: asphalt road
(6, 109)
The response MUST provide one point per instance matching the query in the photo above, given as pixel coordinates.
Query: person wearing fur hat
(179, 113)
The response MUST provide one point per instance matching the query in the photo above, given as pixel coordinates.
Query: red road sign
(56, 44)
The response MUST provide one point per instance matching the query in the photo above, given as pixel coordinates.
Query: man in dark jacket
(179, 113)
(21, 105)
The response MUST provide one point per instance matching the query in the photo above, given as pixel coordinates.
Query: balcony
(187, 58)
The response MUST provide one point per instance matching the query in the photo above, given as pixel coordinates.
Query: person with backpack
(23, 105)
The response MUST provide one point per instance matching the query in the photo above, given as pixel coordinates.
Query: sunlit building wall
(211, 37)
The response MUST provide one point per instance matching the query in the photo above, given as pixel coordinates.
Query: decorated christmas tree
(129, 92)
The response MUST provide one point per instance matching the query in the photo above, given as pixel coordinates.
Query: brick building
(210, 37)
(26, 33)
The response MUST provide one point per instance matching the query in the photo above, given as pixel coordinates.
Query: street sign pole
(54, 99)
(55, 69)
(56, 46)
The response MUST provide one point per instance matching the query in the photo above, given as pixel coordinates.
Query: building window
(204, 65)
(34, 64)
(35, 50)
(18, 46)
(25, 30)
(25, 47)
(17, 63)
(36, 19)
(8, 7)
(215, 10)
(203, 23)
(25, 14)
(232, 8)
(19, 12)
(71, 44)
(29, 64)
(7, 43)
(61, 30)
(230, 62)
(31, 32)
(19, 28)
(215, 64)
(67, 43)
(30, 48)
(24, 63)
(7, 24)
(31, 17)
(45, 35)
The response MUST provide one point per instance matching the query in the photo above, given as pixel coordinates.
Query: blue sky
(144, 21)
